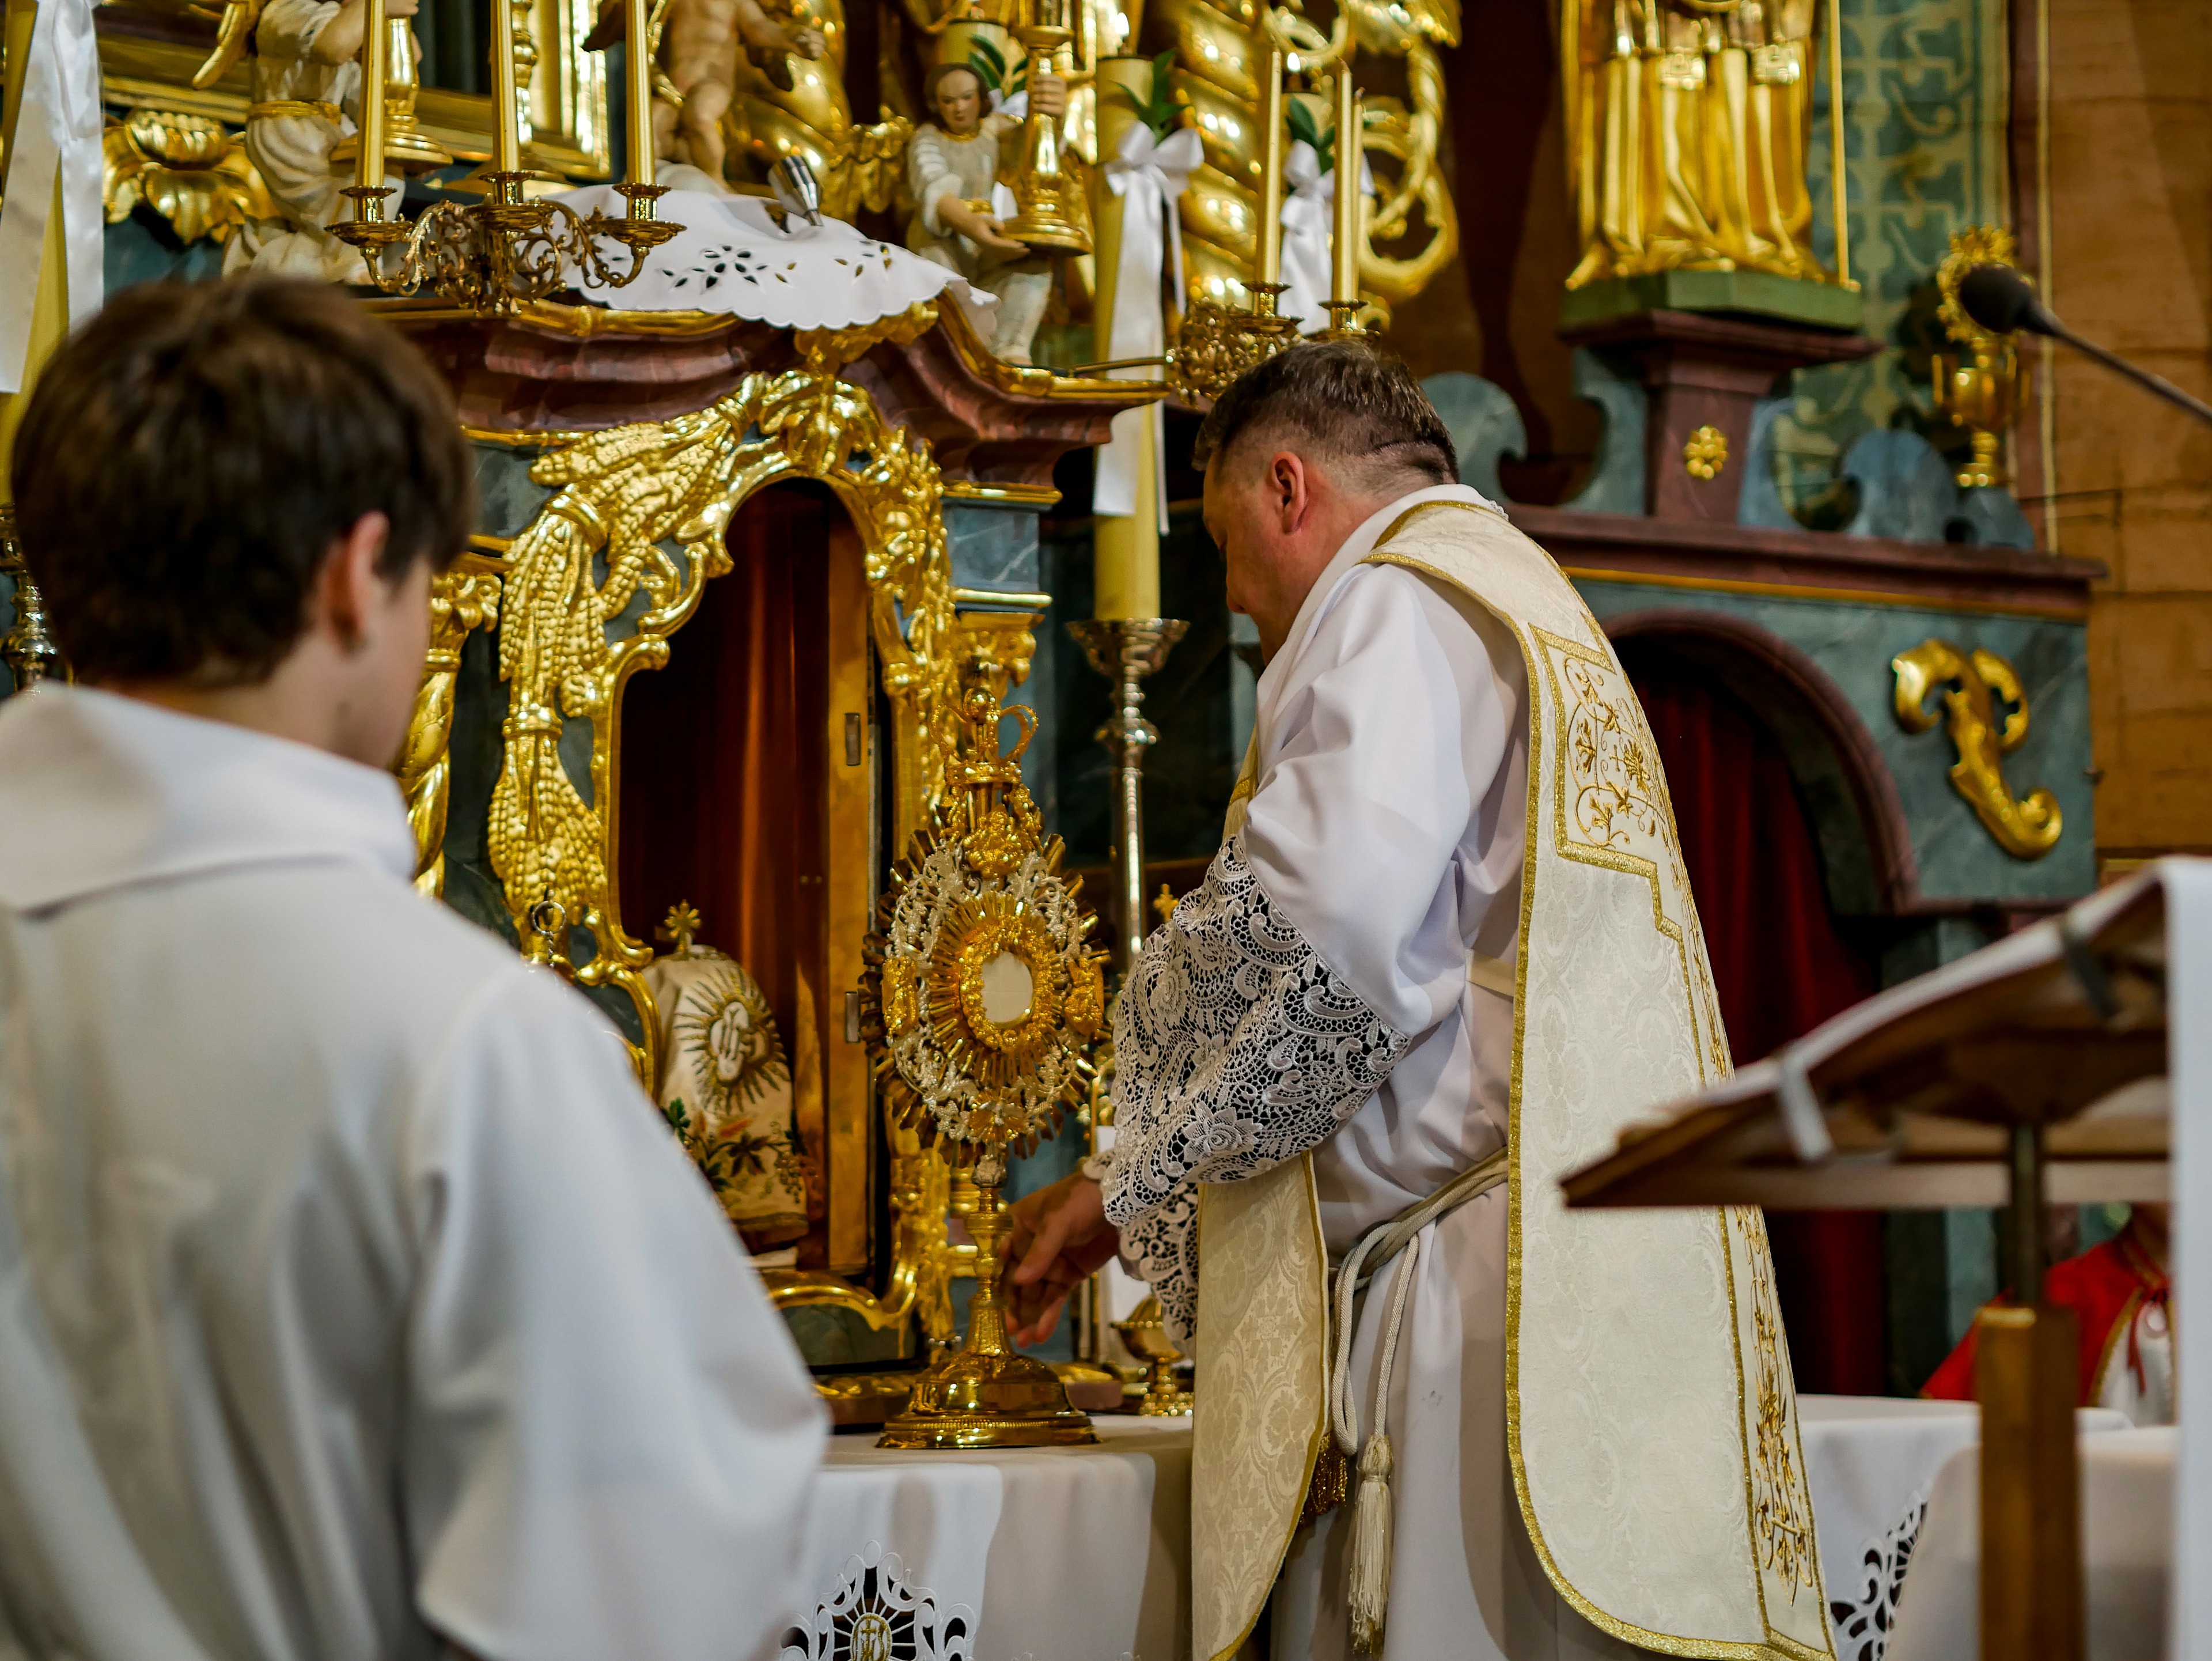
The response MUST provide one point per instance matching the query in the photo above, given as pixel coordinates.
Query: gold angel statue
(1687, 124)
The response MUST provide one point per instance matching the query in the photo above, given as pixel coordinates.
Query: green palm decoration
(1160, 111)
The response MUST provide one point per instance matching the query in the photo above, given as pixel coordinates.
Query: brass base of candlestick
(1214, 346)
(1340, 325)
(1127, 650)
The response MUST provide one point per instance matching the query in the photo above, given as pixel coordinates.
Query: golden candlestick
(640, 66)
(405, 147)
(1039, 183)
(1270, 268)
(1344, 302)
(506, 109)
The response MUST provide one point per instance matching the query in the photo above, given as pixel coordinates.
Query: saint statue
(961, 205)
(1687, 124)
(306, 97)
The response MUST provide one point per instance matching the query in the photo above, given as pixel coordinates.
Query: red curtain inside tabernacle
(1781, 968)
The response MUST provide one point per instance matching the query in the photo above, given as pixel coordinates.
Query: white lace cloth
(732, 257)
(1236, 1048)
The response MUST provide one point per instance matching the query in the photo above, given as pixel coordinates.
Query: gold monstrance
(980, 1000)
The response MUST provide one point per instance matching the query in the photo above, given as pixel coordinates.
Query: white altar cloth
(2127, 1551)
(1047, 1554)
(1872, 1463)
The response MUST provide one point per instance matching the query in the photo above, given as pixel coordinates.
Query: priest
(1446, 951)
(358, 1306)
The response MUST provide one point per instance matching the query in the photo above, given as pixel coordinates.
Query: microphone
(2000, 300)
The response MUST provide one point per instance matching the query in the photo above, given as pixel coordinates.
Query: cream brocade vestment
(1648, 1486)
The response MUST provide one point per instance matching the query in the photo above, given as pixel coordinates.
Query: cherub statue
(952, 172)
(698, 57)
(306, 97)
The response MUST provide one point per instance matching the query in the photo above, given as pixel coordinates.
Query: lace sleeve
(1161, 1250)
(1236, 1047)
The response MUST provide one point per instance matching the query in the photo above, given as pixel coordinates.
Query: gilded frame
(630, 538)
(568, 90)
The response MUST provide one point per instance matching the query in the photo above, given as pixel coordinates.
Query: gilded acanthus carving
(187, 169)
(1975, 685)
(649, 505)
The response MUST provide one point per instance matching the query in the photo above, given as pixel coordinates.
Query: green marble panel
(1854, 643)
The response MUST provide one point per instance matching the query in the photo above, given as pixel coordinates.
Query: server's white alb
(352, 1298)
(1451, 918)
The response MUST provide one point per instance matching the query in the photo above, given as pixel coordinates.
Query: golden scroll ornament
(1973, 685)
(980, 1002)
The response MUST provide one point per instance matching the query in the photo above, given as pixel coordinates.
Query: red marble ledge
(1810, 565)
(557, 369)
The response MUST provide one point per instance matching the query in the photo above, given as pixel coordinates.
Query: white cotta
(733, 257)
(57, 134)
(1150, 175)
(356, 1304)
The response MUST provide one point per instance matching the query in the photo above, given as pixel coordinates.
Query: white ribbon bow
(1309, 217)
(1148, 174)
(56, 136)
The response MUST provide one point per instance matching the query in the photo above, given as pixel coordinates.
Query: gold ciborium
(1144, 1336)
(979, 1001)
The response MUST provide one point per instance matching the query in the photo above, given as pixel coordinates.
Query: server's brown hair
(1336, 398)
(192, 454)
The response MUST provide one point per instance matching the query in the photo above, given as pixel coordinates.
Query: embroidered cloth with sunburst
(982, 995)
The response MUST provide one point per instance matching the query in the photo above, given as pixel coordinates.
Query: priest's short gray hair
(1337, 400)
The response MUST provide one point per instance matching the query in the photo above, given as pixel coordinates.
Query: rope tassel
(1370, 1547)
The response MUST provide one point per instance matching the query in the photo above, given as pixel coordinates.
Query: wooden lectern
(2032, 1072)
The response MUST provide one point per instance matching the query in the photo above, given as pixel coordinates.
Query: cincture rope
(1370, 1592)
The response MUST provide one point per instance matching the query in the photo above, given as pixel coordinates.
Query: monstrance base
(972, 1400)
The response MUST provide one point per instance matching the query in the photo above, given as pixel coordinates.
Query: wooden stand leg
(2025, 1369)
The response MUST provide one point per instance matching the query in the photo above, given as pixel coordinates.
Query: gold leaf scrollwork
(187, 169)
(649, 505)
(1975, 685)
(1782, 1505)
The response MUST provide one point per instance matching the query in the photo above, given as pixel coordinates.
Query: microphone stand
(2143, 378)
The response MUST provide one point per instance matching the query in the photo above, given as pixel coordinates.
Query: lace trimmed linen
(1236, 1048)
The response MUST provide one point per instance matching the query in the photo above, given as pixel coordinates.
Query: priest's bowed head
(359, 1306)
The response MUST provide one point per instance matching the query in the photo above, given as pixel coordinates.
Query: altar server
(355, 1306)
(1446, 951)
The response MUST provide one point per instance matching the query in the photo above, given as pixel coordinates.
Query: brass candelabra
(1127, 651)
(509, 249)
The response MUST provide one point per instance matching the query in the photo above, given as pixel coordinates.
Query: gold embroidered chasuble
(1652, 1416)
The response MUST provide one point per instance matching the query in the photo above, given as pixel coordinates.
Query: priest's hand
(1059, 1238)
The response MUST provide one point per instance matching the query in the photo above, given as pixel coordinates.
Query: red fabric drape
(1780, 968)
(721, 784)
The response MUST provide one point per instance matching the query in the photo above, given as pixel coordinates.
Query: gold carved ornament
(1705, 453)
(187, 169)
(1978, 387)
(622, 496)
(1221, 55)
(462, 599)
(981, 1001)
(1974, 684)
